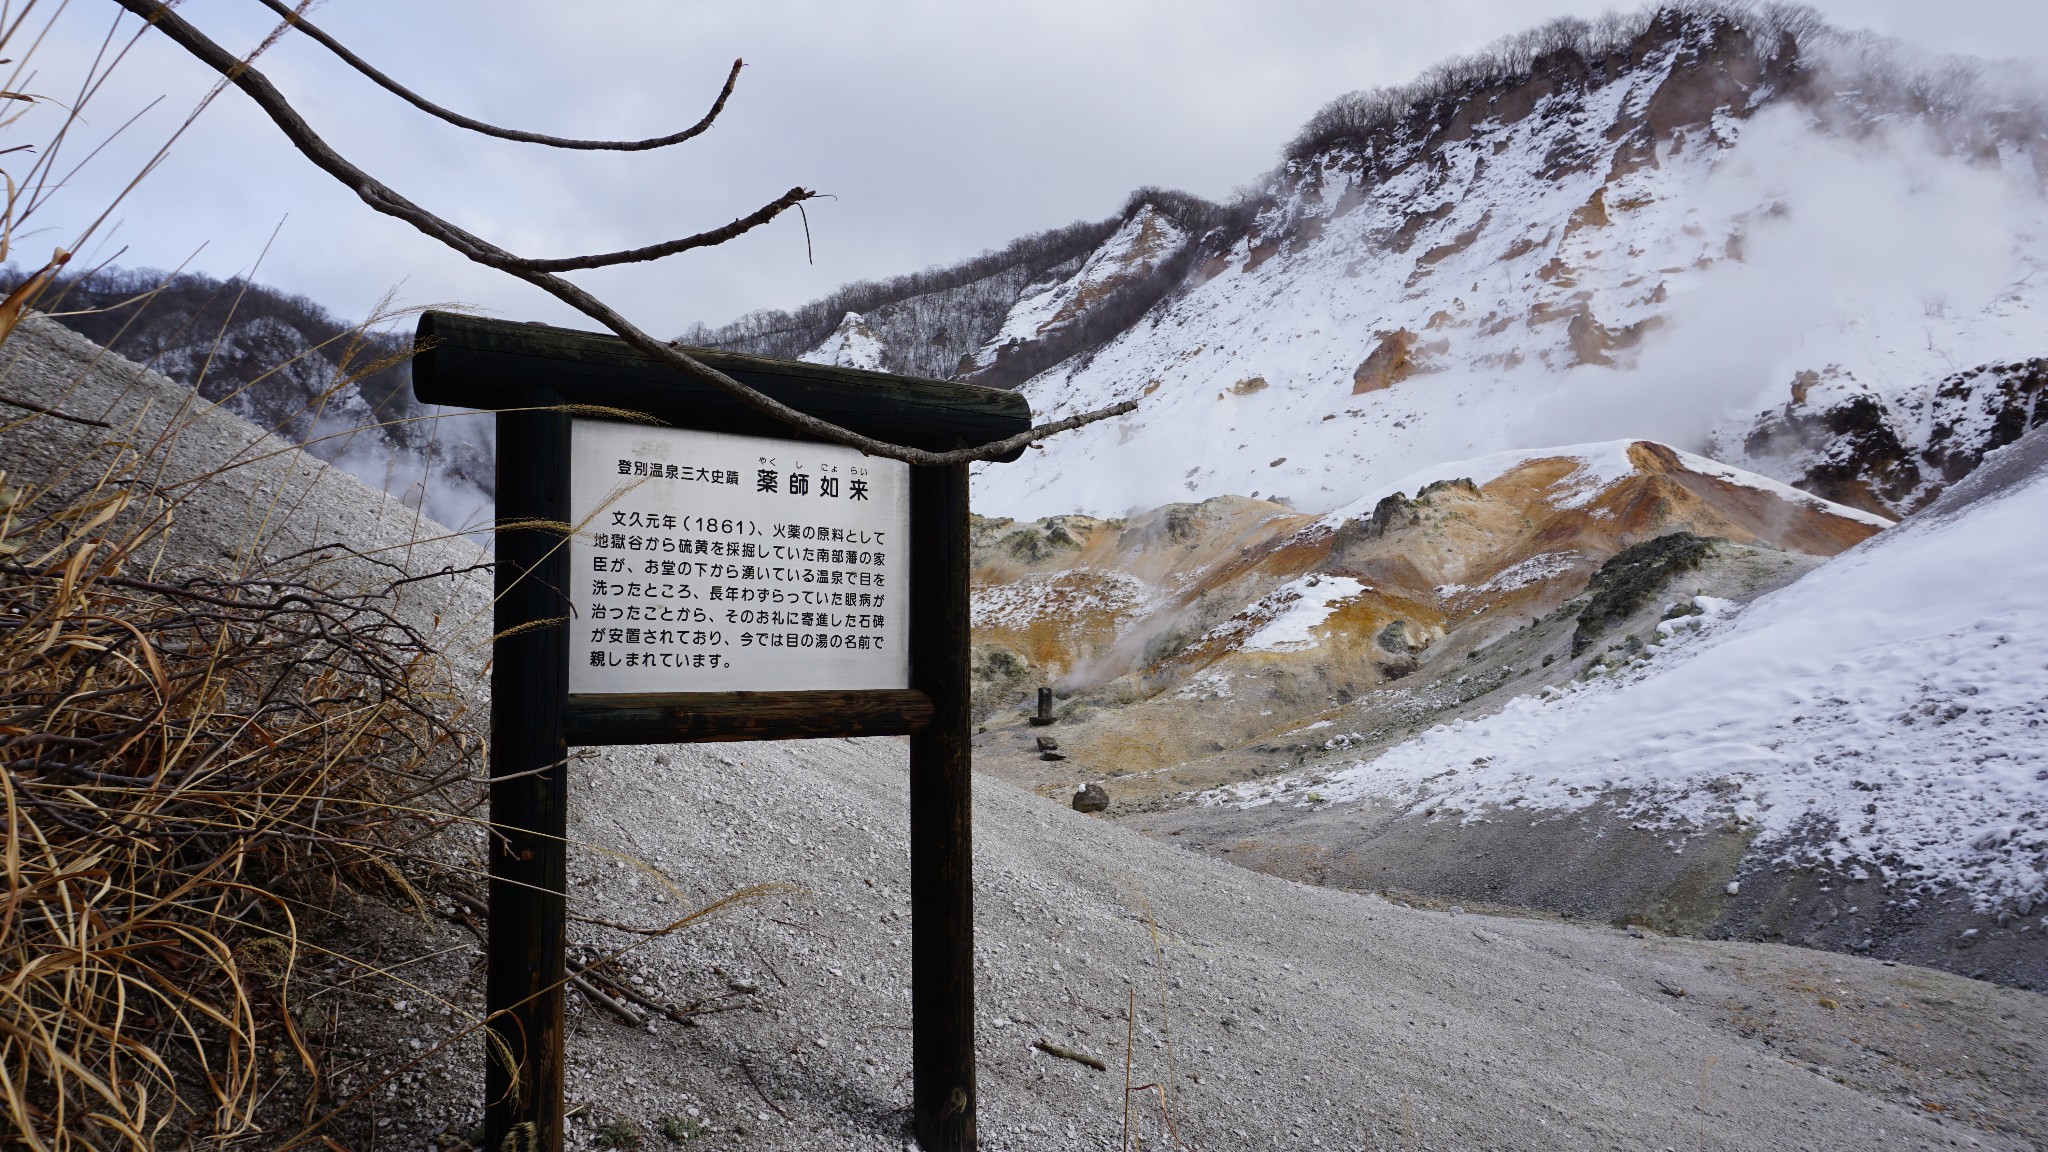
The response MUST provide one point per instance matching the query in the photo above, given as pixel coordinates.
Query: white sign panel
(717, 563)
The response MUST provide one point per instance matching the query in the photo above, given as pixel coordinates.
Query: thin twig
(766, 964)
(597, 997)
(1130, 1037)
(759, 1091)
(681, 1014)
(298, 21)
(793, 198)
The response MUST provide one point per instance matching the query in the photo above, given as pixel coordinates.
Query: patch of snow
(1214, 685)
(1065, 595)
(1531, 571)
(852, 345)
(1285, 619)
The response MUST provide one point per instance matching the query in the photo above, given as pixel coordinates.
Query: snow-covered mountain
(1723, 226)
(1663, 241)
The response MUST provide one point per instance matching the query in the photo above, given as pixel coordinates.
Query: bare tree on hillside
(544, 273)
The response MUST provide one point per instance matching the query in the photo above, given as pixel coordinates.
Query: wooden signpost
(726, 579)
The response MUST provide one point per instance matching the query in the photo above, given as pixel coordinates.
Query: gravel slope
(239, 496)
(1300, 1017)
(1281, 1015)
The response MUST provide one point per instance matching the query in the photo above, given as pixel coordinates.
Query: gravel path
(1268, 1014)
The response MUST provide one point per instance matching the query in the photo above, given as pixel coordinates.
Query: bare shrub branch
(363, 66)
(716, 236)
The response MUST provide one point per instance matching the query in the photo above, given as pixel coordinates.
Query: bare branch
(378, 78)
(716, 236)
(383, 199)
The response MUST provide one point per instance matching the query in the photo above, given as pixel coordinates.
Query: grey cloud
(941, 129)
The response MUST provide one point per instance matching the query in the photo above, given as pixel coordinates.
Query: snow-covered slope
(1656, 242)
(1884, 714)
(1141, 246)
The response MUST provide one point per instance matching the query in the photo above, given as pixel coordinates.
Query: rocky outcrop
(1847, 443)
(1985, 408)
(1391, 514)
(1633, 575)
(1398, 355)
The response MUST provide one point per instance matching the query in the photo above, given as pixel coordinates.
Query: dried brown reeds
(199, 767)
(191, 765)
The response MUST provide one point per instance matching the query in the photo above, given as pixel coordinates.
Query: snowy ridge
(1135, 250)
(1599, 467)
(1748, 479)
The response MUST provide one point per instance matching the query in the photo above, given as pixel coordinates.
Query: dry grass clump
(191, 766)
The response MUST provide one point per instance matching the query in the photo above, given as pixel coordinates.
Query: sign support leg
(529, 790)
(941, 812)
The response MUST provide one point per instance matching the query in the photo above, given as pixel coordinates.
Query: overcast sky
(941, 129)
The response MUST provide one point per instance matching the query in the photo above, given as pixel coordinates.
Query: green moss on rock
(1633, 575)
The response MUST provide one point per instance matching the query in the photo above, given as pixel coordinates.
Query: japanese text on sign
(709, 562)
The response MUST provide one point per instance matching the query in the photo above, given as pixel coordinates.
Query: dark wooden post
(515, 368)
(941, 818)
(530, 790)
